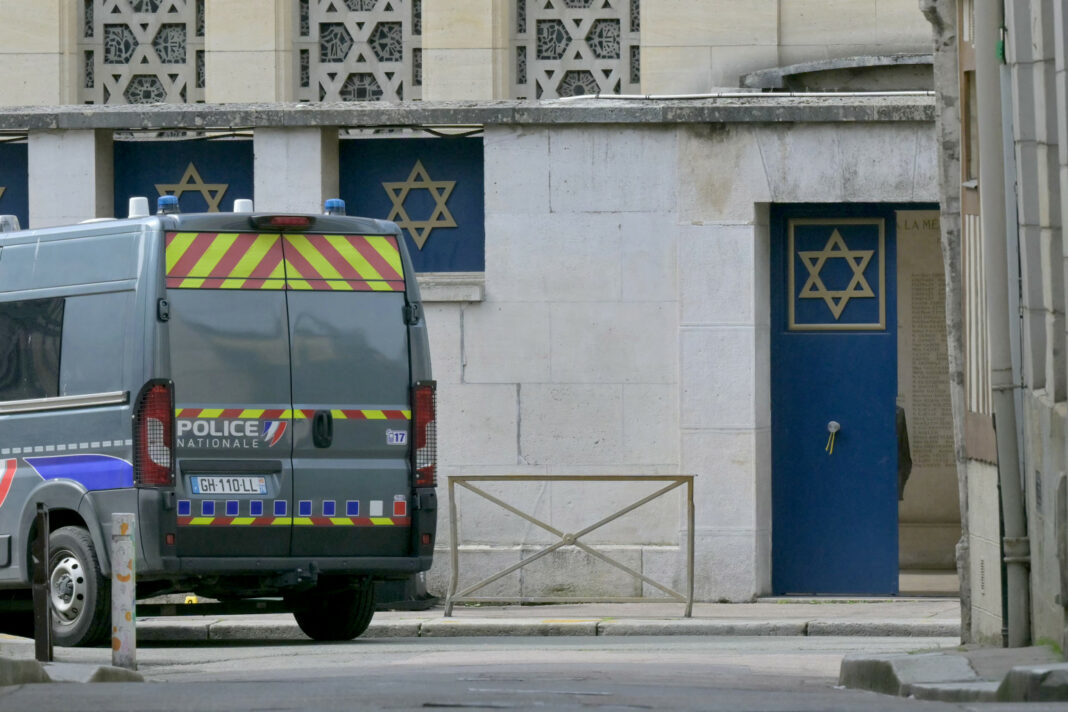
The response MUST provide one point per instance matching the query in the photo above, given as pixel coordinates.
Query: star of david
(191, 182)
(2, 189)
(440, 190)
(836, 299)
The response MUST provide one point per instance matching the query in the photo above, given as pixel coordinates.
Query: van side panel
(53, 449)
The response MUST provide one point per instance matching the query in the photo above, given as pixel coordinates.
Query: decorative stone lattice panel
(575, 47)
(359, 50)
(141, 51)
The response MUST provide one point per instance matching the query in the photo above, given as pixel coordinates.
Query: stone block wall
(687, 46)
(624, 329)
(621, 325)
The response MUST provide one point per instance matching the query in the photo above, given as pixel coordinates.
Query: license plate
(228, 485)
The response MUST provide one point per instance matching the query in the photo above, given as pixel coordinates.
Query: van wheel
(81, 606)
(335, 615)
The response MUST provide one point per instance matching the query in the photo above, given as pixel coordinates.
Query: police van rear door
(350, 371)
(230, 363)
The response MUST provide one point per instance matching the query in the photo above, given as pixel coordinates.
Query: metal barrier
(568, 539)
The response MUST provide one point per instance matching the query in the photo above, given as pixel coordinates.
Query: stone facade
(626, 331)
(432, 49)
(1011, 113)
(621, 325)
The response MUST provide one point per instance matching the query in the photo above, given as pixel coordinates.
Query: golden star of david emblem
(191, 182)
(2, 189)
(439, 190)
(836, 299)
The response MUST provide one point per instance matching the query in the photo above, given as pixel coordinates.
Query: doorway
(858, 384)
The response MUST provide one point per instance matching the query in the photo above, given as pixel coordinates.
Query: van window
(30, 340)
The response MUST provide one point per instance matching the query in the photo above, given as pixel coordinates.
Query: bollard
(123, 585)
(42, 599)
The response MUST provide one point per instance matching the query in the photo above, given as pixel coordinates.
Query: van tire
(80, 594)
(335, 615)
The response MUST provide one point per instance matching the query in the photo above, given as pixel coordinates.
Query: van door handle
(323, 428)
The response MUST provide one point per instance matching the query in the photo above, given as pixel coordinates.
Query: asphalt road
(626, 673)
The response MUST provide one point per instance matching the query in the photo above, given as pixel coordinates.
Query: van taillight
(425, 433)
(154, 435)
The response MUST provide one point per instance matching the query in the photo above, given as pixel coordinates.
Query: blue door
(834, 385)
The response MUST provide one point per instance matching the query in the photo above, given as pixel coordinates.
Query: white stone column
(37, 52)
(295, 168)
(71, 176)
(466, 49)
(249, 51)
(724, 358)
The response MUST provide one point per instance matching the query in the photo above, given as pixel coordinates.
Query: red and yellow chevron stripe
(294, 521)
(343, 263)
(295, 414)
(208, 260)
(205, 260)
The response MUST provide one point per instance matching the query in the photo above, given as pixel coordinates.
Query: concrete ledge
(1035, 683)
(283, 627)
(21, 672)
(393, 629)
(452, 627)
(172, 629)
(452, 286)
(889, 628)
(80, 672)
(252, 629)
(700, 626)
(27, 672)
(955, 691)
(751, 108)
(774, 78)
(895, 674)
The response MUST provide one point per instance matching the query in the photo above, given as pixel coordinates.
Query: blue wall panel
(431, 187)
(207, 176)
(14, 193)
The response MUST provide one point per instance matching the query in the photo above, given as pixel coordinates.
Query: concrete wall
(249, 61)
(37, 52)
(467, 49)
(621, 325)
(692, 46)
(624, 330)
(1036, 58)
(985, 553)
(929, 513)
(688, 46)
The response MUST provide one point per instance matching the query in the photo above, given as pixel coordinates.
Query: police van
(255, 387)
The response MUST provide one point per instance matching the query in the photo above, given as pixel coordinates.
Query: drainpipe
(1014, 546)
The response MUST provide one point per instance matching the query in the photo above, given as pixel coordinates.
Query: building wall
(693, 46)
(1036, 68)
(37, 62)
(687, 46)
(929, 510)
(625, 330)
(621, 325)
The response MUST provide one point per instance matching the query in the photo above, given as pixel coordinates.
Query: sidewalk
(914, 617)
(977, 674)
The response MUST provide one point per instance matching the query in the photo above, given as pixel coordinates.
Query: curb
(952, 677)
(897, 674)
(26, 672)
(1035, 683)
(168, 630)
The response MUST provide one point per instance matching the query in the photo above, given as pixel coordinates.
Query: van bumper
(355, 565)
